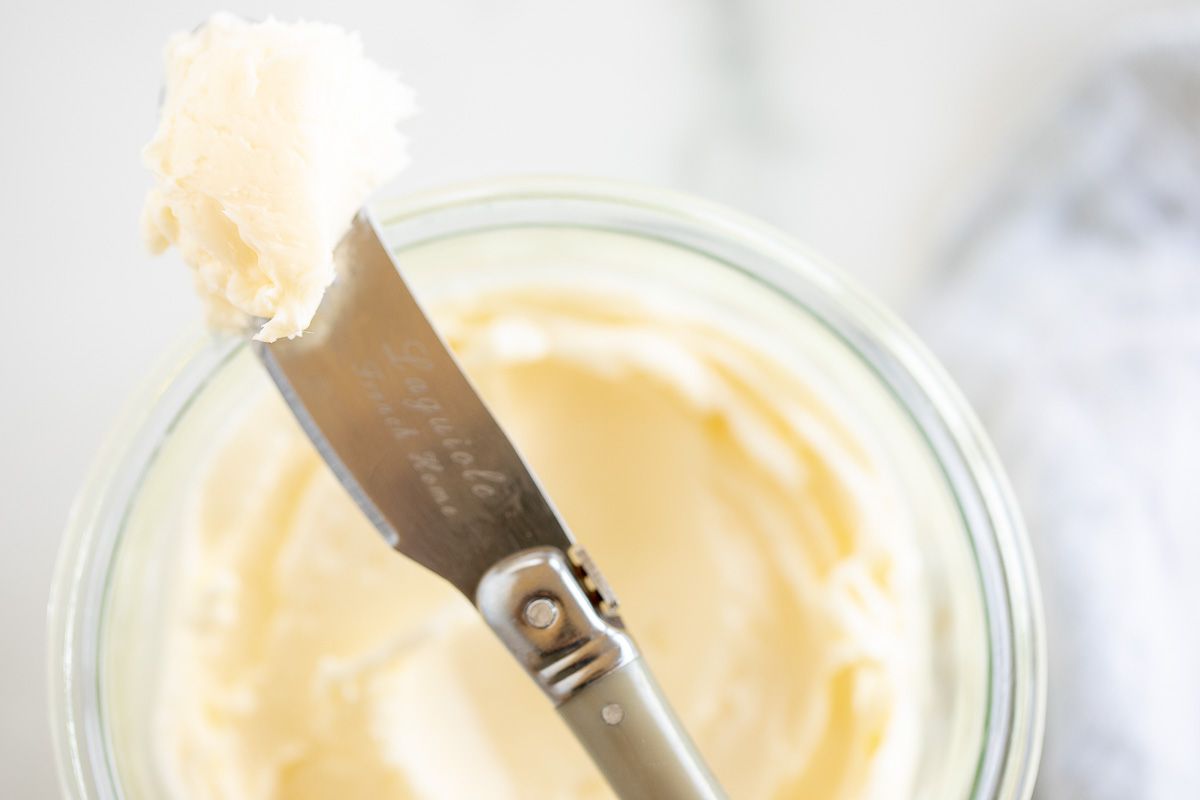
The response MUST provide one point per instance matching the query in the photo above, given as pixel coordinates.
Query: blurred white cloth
(1070, 314)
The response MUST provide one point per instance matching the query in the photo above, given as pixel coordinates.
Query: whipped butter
(756, 535)
(758, 544)
(270, 137)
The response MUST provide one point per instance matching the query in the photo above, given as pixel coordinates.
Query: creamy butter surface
(271, 135)
(757, 542)
(755, 534)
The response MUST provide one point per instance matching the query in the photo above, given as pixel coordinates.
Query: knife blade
(388, 407)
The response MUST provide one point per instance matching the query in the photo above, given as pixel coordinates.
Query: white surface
(862, 128)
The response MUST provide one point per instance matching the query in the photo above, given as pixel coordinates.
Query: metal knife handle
(561, 625)
(634, 738)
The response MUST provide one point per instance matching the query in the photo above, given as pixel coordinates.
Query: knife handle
(635, 740)
(558, 618)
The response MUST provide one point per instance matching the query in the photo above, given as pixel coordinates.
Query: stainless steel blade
(387, 405)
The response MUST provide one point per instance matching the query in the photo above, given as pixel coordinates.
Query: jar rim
(1016, 683)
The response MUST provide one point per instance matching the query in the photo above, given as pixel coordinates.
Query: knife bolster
(556, 616)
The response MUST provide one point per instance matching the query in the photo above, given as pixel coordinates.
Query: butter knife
(389, 409)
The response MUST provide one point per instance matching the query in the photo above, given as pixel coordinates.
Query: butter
(270, 137)
(755, 533)
(757, 541)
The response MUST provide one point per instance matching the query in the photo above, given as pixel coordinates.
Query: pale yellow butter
(270, 137)
(757, 542)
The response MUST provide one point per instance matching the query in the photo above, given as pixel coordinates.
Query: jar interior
(453, 256)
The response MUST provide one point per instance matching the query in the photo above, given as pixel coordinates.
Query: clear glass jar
(987, 671)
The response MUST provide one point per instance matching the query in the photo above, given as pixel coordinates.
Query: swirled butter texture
(270, 137)
(754, 537)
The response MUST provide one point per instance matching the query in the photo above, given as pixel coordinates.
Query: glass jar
(987, 668)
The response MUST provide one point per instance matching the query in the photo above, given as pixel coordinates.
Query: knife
(387, 406)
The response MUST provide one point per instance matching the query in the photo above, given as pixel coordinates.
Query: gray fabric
(1070, 314)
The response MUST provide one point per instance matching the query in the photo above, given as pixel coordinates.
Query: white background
(865, 128)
